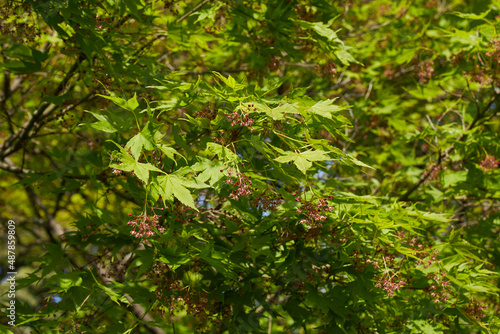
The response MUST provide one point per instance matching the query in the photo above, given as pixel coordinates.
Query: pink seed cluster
(434, 173)
(494, 52)
(243, 119)
(480, 75)
(175, 296)
(157, 159)
(206, 113)
(242, 184)
(425, 71)
(475, 310)
(439, 288)
(117, 171)
(389, 284)
(427, 259)
(490, 162)
(327, 70)
(314, 212)
(145, 225)
(269, 202)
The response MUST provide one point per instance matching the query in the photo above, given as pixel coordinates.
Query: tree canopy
(229, 166)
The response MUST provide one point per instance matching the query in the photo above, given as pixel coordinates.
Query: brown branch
(202, 72)
(16, 140)
(137, 309)
(445, 154)
(159, 36)
(9, 88)
(52, 227)
(5, 97)
(198, 6)
(350, 34)
(9, 166)
(56, 234)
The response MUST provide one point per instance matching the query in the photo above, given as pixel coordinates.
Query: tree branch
(445, 154)
(17, 139)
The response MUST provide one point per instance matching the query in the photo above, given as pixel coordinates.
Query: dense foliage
(273, 166)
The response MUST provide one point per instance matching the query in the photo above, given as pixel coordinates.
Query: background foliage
(252, 166)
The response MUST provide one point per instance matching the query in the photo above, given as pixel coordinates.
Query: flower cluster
(175, 296)
(242, 184)
(117, 171)
(162, 276)
(180, 213)
(363, 258)
(206, 113)
(20, 30)
(243, 119)
(431, 4)
(268, 202)
(327, 70)
(73, 326)
(434, 172)
(103, 23)
(144, 225)
(439, 288)
(314, 212)
(494, 52)
(117, 160)
(426, 259)
(479, 75)
(157, 160)
(389, 284)
(425, 71)
(215, 28)
(90, 230)
(240, 120)
(475, 310)
(490, 162)
(274, 63)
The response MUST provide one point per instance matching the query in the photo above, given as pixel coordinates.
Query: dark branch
(15, 141)
(445, 154)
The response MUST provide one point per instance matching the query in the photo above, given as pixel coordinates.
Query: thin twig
(192, 11)
(445, 154)
(17, 139)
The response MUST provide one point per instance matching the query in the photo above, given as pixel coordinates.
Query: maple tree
(251, 166)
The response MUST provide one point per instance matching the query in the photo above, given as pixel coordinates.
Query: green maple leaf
(170, 152)
(172, 185)
(210, 171)
(325, 108)
(103, 123)
(223, 152)
(141, 170)
(279, 112)
(130, 104)
(143, 140)
(303, 161)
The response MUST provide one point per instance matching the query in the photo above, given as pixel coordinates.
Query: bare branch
(198, 6)
(16, 140)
